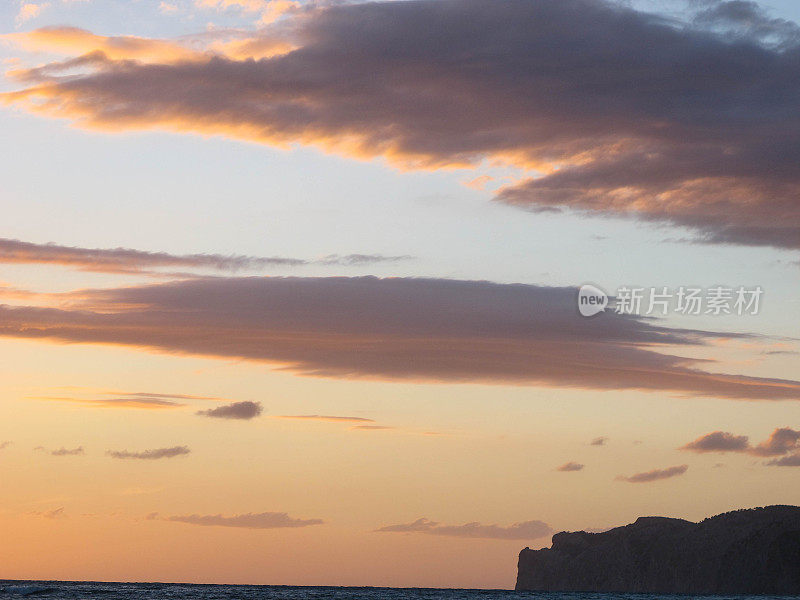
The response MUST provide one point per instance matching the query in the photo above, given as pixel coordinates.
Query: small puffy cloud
(67, 451)
(154, 454)
(167, 8)
(718, 441)
(570, 466)
(526, 530)
(265, 520)
(599, 441)
(781, 441)
(655, 474)
(235, 410)
(30, 10)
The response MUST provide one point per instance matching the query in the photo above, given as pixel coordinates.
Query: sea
(180, 591)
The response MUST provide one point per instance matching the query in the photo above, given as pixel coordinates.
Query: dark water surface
(180, 591)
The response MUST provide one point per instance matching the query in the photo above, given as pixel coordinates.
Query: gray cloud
(235, 410)
(599, 441)
(153, 454)
(397, 329)
(792, 460)
(718, 441)
(781, 441)
(655, 474)
(265, 520)
(527, 530)
(4, 445)
(67, 451)
(570, 466)
(625, 112)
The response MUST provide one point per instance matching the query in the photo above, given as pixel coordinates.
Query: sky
(289, 290)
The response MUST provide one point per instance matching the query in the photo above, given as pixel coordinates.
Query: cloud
(55, 513)
(780, 441)
(570, 466)
(67, 452)
(527, 530)
(29, 10)
(332, 418)
(792, 460)
(372, 427)
(4, 445)
(126, 260)
(611, 111)
(235, 410)
(147, 403)
(154, 454)
(655, 474)
(396, 329)
(599, 441)
(718, 441)
(265, 520)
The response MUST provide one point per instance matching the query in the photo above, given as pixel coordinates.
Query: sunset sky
(288, 289)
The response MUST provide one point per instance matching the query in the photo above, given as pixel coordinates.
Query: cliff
(754, 551)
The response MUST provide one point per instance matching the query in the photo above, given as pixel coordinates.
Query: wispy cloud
(235, 410)
(67, 451)
(265, 520)
(154, 454)
(331, 418)
(526, 530)
(655, 474)
(570, 466)
(126, 260)
(599, 441)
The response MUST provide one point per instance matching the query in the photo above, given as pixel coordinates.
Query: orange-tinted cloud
(526, 530)
(655, 474)
(394, 329)
(332, 418)
(620, 112)
(127, 260)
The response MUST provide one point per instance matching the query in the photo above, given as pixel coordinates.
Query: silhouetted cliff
(754, 551)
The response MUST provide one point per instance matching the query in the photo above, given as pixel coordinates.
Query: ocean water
(179, 591)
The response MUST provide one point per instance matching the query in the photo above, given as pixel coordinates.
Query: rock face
(754, 551)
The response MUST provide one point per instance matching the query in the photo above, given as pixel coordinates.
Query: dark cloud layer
(235, 410)
(154, 454)
(526, 530)
(265, 520)
(655, 474)
(622, 112)
(394, 329)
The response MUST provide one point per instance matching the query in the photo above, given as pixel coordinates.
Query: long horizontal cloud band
(393, 329)
(622, 112)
